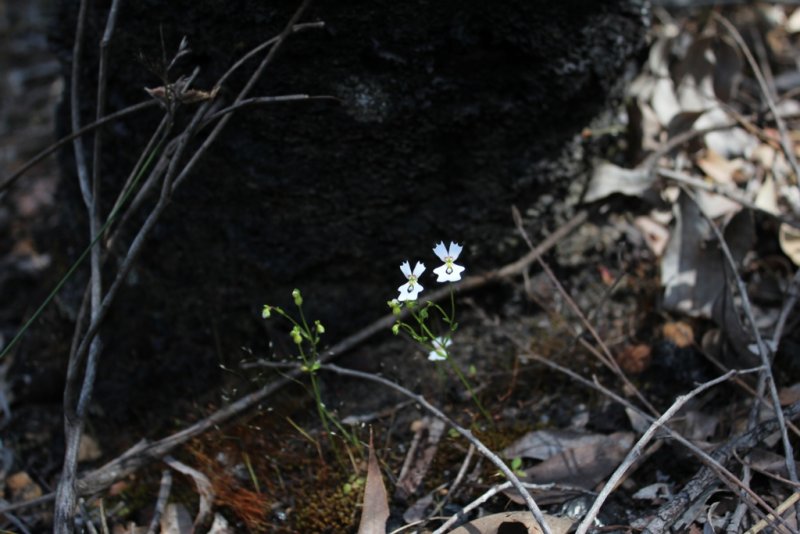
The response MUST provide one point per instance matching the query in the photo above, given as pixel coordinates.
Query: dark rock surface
(449, 112)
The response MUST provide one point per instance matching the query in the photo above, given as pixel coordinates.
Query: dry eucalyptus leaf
(584, 466)
(516, 522)
(692, 267)
(789, 238)
(543, 444)
(767, 197)
(203, 484)
(375, 509)
(608, 179)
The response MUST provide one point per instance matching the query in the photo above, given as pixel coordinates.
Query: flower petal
(419, 268)
(409, 291)
(439, 351)
(455, 250)
(440, 250)
(453, 276)
(406, 268)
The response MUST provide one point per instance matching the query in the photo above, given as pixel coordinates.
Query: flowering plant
(437, 346)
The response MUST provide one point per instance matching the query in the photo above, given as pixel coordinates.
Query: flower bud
(319, 327)
(296, 337)
(266, 312)
(298, 298)
(396, 328)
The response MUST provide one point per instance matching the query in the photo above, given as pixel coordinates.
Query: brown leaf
(513, 522)
(679, 333)
(375, 510)
(544, 444)
(583, 466)
(634, 359)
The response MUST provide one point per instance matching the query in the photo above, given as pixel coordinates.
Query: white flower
(410, 289)
(439, 351)
(449, 272)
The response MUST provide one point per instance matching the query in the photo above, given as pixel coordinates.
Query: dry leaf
(21, 487)
(679, 333)
(655, 234)
(513, 522)
(789, 238)
(543, 444)
(203, 484)
(789, 395)
(767, 197)
(375, 509)
(608, 179)
(692, 264)
(584, 466)
(634, 359)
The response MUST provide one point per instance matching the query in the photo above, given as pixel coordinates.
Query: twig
(161, 503)
(86, 517)
(786, 143)
(637, 449)
(66, 497)
(267, 100)
(509, 473)
(77, 393)
(28, 165)
(770, 520)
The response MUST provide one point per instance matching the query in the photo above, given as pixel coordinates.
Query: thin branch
(266, 100)
(66, 497)
(28, 165)
(161, 503)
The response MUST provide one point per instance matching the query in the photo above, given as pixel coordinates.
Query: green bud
(320, 328)
(266, 312)
(298, 298)
(396, 328)
(296, 336)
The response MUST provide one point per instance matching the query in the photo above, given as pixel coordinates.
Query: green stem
(457, 371)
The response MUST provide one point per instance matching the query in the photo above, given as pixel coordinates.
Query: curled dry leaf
(513, 522)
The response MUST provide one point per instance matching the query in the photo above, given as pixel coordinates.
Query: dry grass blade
(375, 510)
